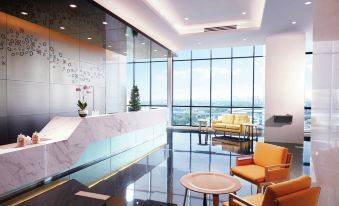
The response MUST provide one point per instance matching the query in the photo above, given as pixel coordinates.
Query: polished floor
(154, 180)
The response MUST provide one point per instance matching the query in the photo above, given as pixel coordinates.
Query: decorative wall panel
(3, 97)
(29, 43)
(3, 59)
(27, 98)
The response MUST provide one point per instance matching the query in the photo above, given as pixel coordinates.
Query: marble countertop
(63, 140)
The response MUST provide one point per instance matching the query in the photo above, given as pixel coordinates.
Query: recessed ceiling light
(73, 6)
(244, 39)
(109, 46)
(126, 34)
(186, 18)
(24, 13)
(89, 38)
(294, 22)
(308, 2)
(143, 43)
(62, 28)
(243, 13)
(104, 22)
(165, 55)
(199, 43)
(155, 50)
(125, 52)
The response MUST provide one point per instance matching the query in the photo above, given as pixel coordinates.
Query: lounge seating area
(231, 124)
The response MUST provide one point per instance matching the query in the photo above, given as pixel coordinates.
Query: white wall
(284, 86)
(325, 101)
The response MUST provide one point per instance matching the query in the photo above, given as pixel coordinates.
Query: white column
(325, 101)
(284, 87)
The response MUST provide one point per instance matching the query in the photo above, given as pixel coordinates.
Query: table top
(210, 182)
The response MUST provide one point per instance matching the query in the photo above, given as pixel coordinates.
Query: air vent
(220, 28)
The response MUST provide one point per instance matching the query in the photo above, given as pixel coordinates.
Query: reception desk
(69, 142)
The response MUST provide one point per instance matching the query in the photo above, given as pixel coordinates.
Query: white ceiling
(164, 20)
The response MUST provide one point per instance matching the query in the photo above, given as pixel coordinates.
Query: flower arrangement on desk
(82, 104)
(23, 140)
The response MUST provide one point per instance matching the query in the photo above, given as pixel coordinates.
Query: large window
(147, 69)
(211, 82)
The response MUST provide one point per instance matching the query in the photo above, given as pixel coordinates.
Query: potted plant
(82, 104)
(134, 100)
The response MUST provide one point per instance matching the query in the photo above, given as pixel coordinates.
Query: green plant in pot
(134, 101)
(82, 104)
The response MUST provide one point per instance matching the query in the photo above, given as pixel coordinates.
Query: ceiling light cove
(294, 22)
(222, 14)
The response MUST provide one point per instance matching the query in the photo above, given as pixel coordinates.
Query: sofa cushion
(227, 118)
(253, 173)
(233, 126)
(241, 119)
(278, 190)
(219, 125)
(254, 199)
(269, 154)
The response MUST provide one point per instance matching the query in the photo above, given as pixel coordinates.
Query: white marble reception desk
(68, 142)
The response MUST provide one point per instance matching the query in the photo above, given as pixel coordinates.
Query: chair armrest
(235, 197)
(277, 172)
(244, 160)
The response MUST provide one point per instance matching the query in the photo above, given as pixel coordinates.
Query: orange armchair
(294, 192)
(269, 163)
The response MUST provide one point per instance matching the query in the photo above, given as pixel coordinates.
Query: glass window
(201, 83)
(129, 81)
(307, 120)
(159, 83)
(201, 54)
(242, 82)
(259, 81)
(200, 113)
(182, 55)
(221, 82)
(259, 117)
(142, 80)
(259, 50)
(181, 115)
(181, 83)
(158, 52)
(142, 48)
(245, 51)
(217, 112)
(221, 53)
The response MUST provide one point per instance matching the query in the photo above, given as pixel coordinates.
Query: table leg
(185, 197)
(215, 200)
(205, 200)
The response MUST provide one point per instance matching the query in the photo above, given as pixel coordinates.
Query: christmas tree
(134, 101)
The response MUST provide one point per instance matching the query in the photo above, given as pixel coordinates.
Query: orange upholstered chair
(269, 163)
(296, 192)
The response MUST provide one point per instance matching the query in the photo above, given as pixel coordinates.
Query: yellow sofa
(231, 123)
(295, 192)
(269, 163)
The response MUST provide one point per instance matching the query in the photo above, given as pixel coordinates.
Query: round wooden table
(210, 183)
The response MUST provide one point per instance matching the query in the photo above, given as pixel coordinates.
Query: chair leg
(259, 190)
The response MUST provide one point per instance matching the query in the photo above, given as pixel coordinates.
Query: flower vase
(83, 113)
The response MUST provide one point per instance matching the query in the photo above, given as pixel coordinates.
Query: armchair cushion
(278, 190)
(254, 199)
(227, 118)
(253, 173)
(219, 125)
(233, 126)
(269, 154)
(244, 160)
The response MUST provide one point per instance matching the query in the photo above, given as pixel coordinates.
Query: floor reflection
(154, 180)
